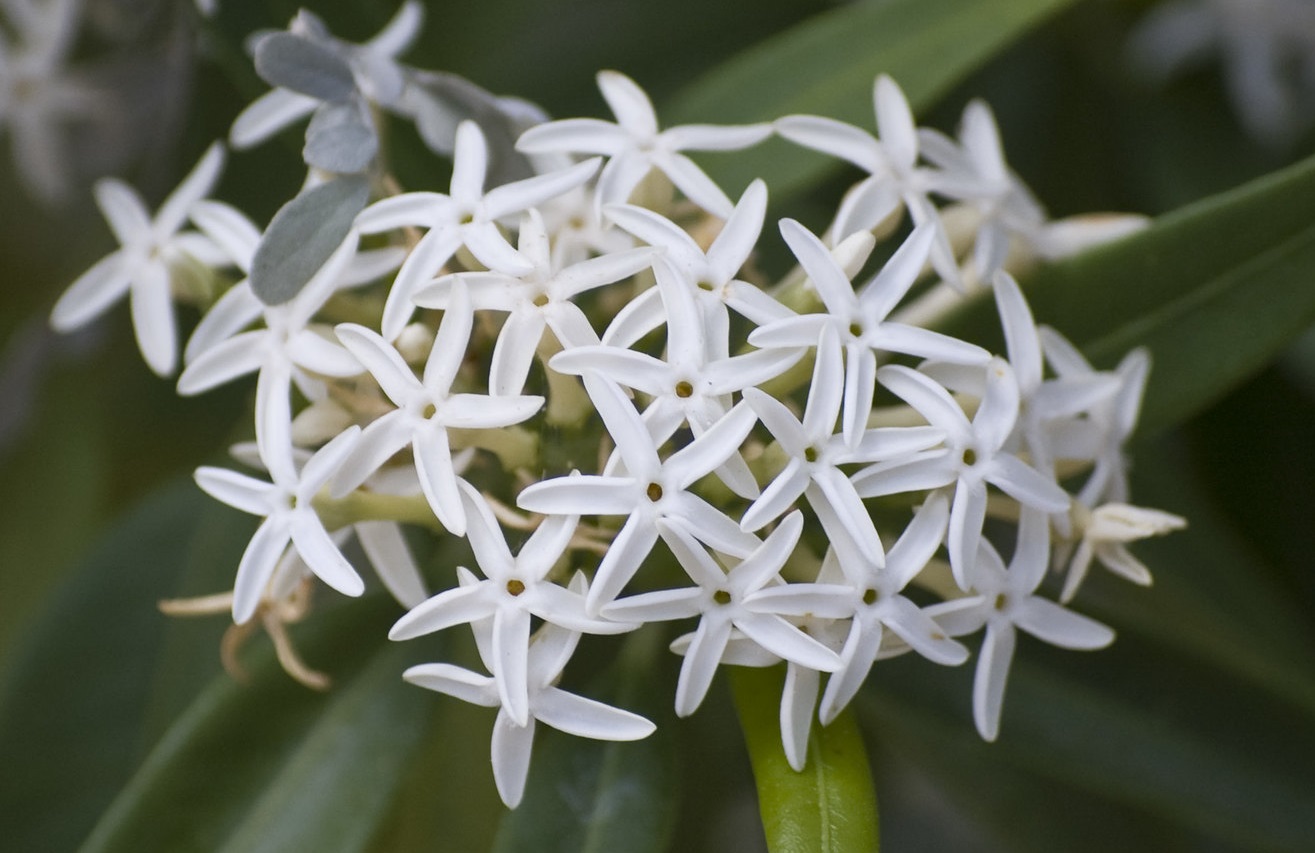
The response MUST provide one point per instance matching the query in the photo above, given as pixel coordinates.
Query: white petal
(457, 606)
(629, 103)
(386, 548)
(269, 114)
(237, 490)
(438, 479)
(511, 640)
(511, 757)
(1059, 626)
(91, 293)
(835, 138)
(257, 566)
(320, 553)
(701, 659)
(153, 317)
(989, 683)
(797, 699)
(583, 717)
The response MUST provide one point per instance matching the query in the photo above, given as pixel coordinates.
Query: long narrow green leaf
(1215, 290)
(826, 66)
(275, 766)
(829, 807)
(72, 702)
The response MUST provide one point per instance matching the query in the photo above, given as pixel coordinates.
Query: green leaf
(826, 66)
(831, 805)
(274, 766)
(1215, 290)
(72, 702)
(586, 796)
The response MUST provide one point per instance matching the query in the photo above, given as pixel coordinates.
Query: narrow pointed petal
(257, 566)
(929, 469)
(844, 501)
(470, 159)
(1059, 626)
(547, 544)
(1026, 485)
(835, 138)
(856, 660)
(124, 210)
(511, 642)
(739, 236)
(449, 350)
(153, 318)
(628, 550)
(662, 605)
(379, 441)
(589, 494)
(637, 370)
(931, 400)
(998, 411)
(386, 548)
(701, 660)
(922, 633)
(510, 754)
(234, 311)
(438, 479)
(832, 284)
(224, 362)
(456, 606)
(783, 491)
(583, 717)
(779, 420)
(629, 103)
(989, 684)
(785, 640)
(1021, 340)
(694, 183)
(965, 531)
(627, 430)
(269, 114)
(91, 293)
(693, 557)
(533, 192)
(798, 697)
(321, 554)
(899, 135)
(237, 490)
(574, 135)
(707, 452)
(860, 387)
(196, 186)
(919, 541)
(485, 535)
(454, 681)
(924, 343)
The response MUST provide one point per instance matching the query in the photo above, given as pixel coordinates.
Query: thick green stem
(829, 807)
(373, 506)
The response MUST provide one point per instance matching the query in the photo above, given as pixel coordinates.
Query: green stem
(829, 807)
(373, 506)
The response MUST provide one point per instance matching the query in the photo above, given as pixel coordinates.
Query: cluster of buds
(581, 353)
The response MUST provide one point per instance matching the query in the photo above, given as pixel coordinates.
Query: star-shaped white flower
(635, 146)
(647, 490)
(514, 589)
(1004, 600)
(972, 457)
(467, 216)
(287, 505)
(859, 319)
(894, 178)
(816, 454)
(534, 300)
(140, 267)
(725, 600)
(550, 649)
(39, 93)
(426, 410)
(711, 275)
(690, 386)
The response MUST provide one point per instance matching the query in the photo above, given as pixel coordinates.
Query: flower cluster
(587, 337)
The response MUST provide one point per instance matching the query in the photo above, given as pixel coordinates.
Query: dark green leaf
(72, 703)
(830, 806)
(302, 236)
(586, 796)
(827, 65)
(1215, 290)
(299, 64)
(275, 766)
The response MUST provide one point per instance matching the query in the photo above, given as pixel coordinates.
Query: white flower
(1267, 48)
(550, 649)
(1009, 224)
(39, 93)
(635, 146)
(513, 590)
(287, 505)
(647, 490)
(972, 458)
(535, 299)
(1104, 534)
(426, 409)
(711, 274)
(734, 599)
(816, 454)
(895, 180)
(140, 267)
(1102, 435)
(373, 64)
(1005, 599)
(467, 216)
(877, 604)
(859, 319)
(691, 386)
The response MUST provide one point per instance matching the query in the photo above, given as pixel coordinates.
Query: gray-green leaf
(302, 236)
(304, 66)
(341, 138)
